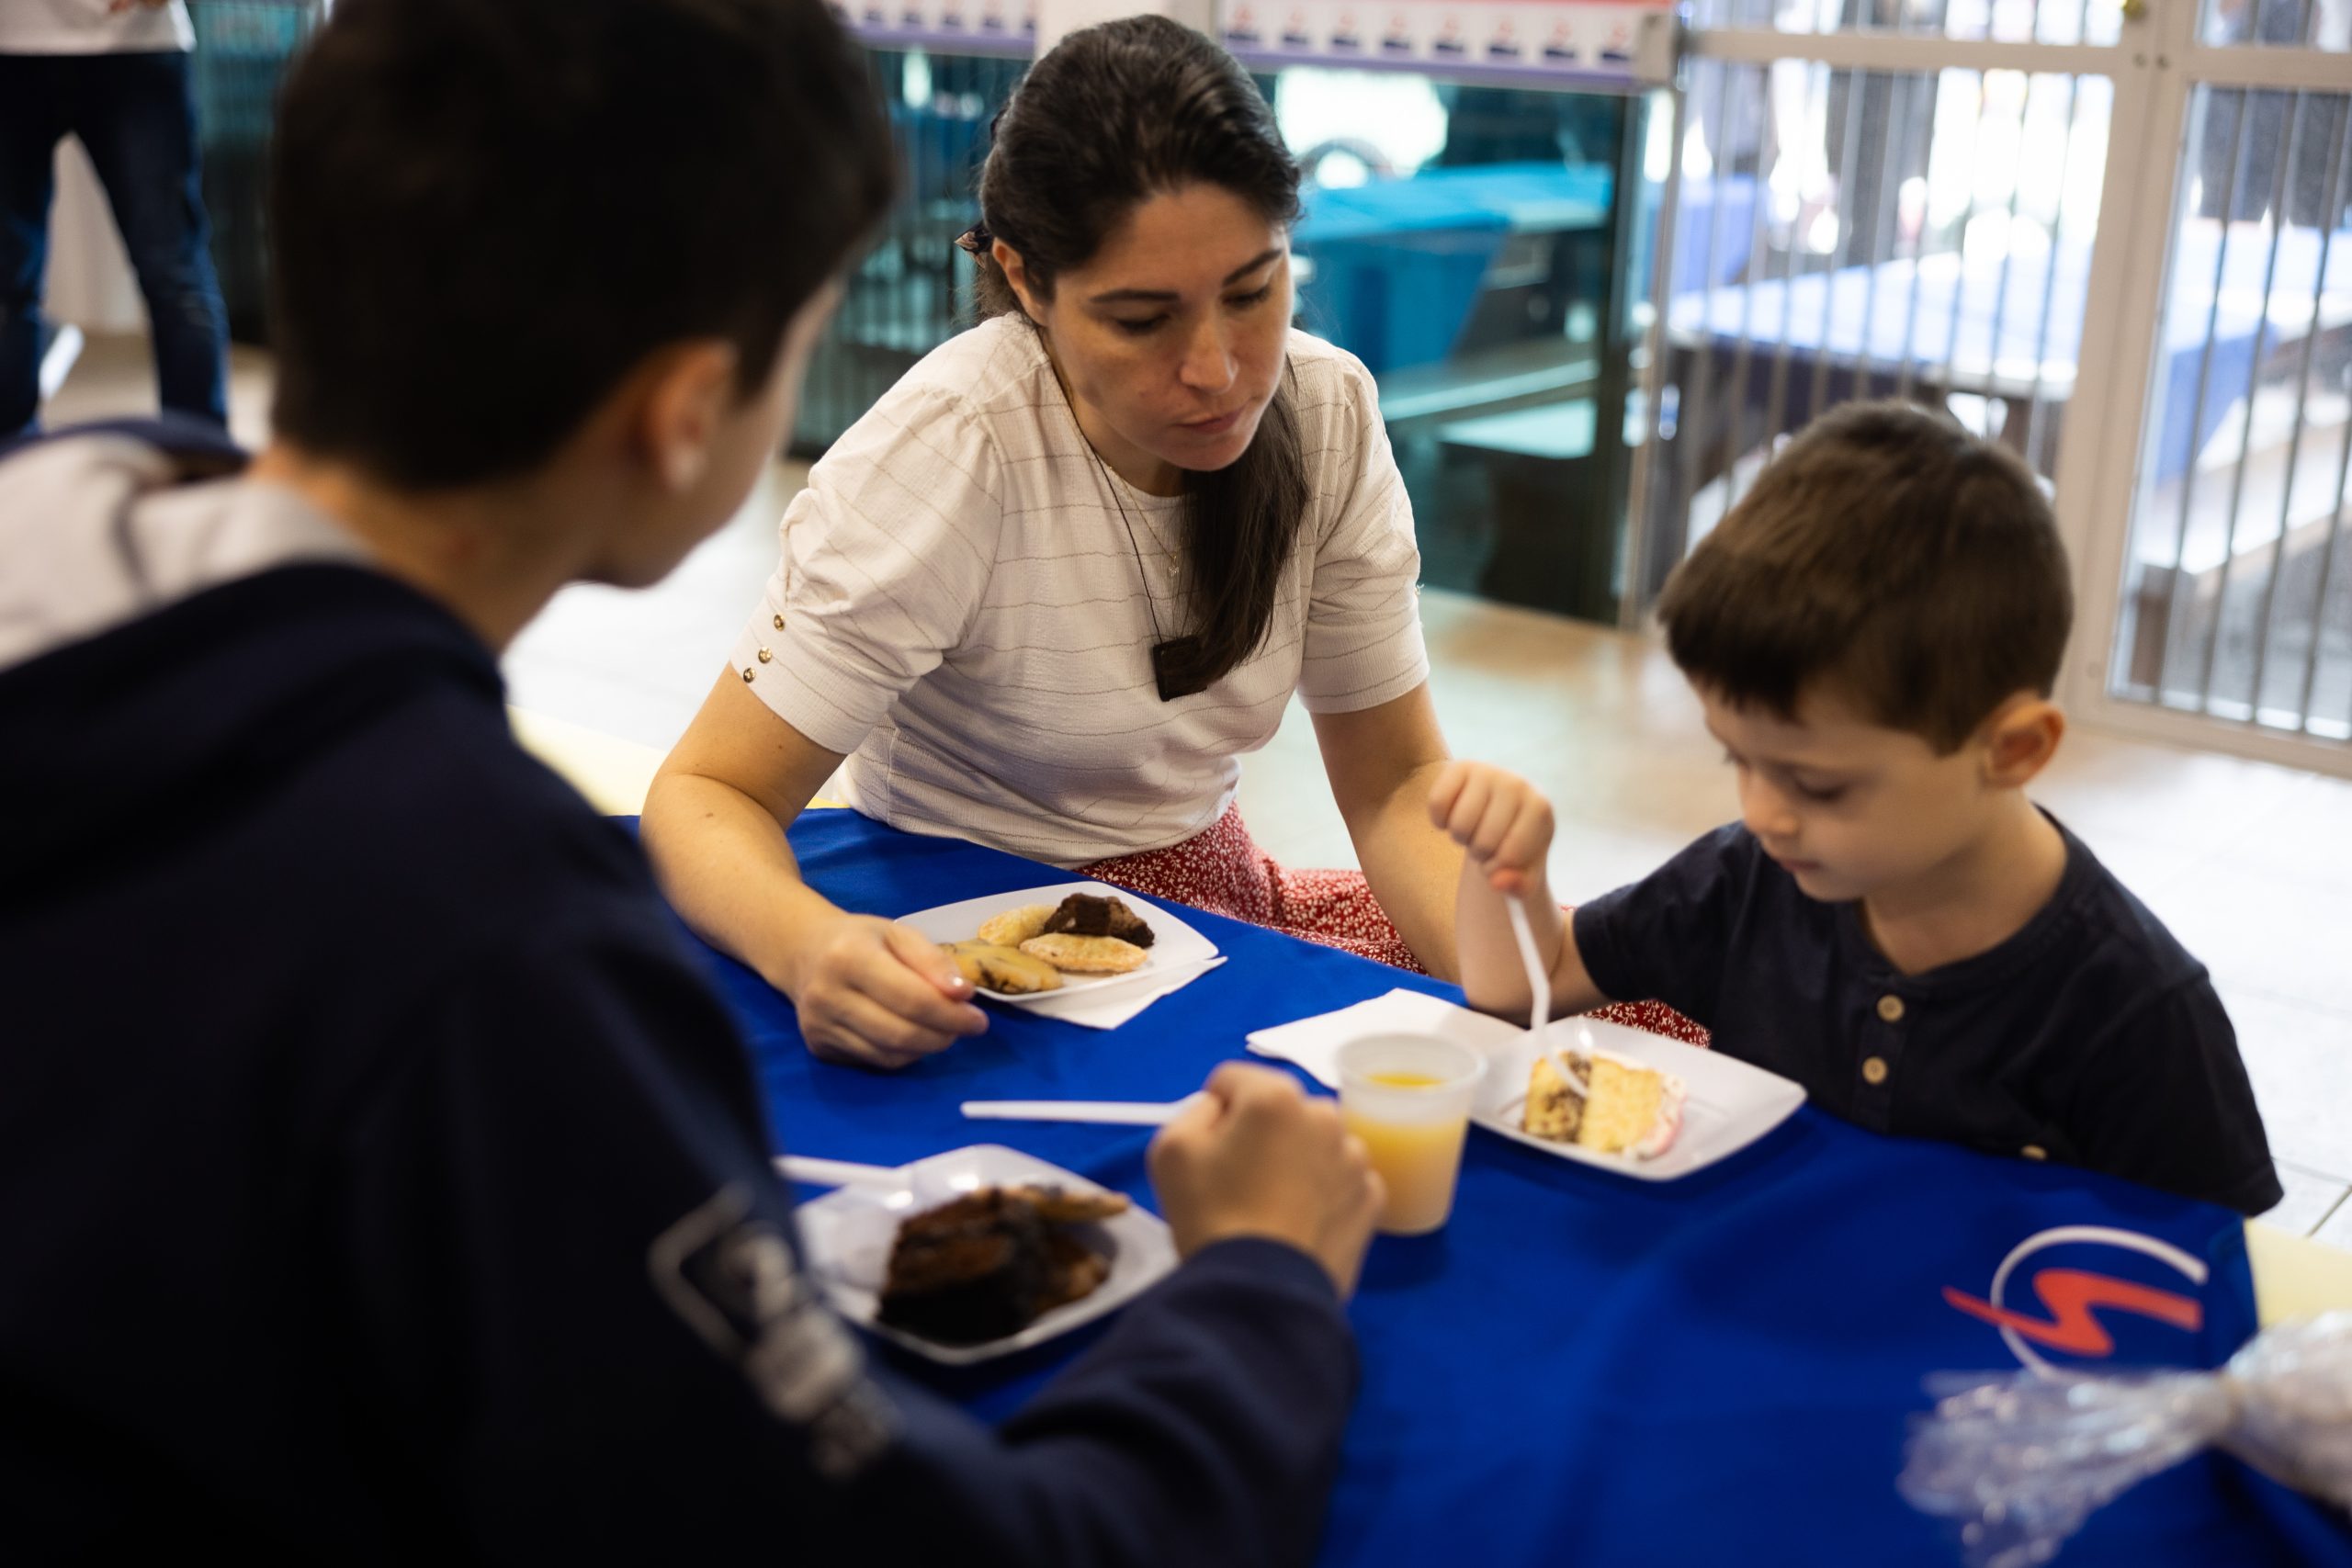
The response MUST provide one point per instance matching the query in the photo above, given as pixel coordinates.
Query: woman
(1047, 592)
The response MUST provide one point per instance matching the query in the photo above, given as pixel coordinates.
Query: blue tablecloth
(1585, 1369)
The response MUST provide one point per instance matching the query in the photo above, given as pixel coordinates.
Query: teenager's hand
(1254, 1156)
(1501, 823)
(872, 993)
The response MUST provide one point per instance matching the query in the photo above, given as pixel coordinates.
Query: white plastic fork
(837, 1172)
(1539, 986)
(1114, 1112)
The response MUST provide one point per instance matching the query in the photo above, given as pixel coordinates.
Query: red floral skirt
(1224, 872)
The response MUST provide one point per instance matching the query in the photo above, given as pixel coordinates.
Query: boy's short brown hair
(1888, 552)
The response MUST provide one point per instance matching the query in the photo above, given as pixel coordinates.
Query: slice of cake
(1610, 1105)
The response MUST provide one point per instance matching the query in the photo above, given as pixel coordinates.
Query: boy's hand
(1500, 821)
(1254, 1156)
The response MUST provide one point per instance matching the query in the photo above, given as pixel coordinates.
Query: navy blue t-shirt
(2090, 1037)
(381, 1179)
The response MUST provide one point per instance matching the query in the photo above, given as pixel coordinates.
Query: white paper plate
(848, 1231)
(1175, 945)
(1731, 1103)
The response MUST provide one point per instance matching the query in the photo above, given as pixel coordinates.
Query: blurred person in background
(115, 73)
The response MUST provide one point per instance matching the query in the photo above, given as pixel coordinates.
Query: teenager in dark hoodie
(378, 1178)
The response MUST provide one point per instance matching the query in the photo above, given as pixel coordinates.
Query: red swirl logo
(2071, 1299)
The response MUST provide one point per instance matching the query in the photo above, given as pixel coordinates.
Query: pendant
(1171, 665)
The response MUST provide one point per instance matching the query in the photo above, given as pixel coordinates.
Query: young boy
(379, 1178)
(1874, 632)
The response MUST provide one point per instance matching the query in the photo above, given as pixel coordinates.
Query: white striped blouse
(958, 610)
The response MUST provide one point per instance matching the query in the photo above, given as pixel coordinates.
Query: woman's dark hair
(1114, 115)
(485, 213)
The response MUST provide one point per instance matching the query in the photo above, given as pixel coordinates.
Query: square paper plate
(1730, 1104)
(848, 1231)
(1175, 945)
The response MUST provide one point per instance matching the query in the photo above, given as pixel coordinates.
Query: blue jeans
(136, 114)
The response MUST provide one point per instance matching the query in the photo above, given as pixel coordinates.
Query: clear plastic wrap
(2021, 1459)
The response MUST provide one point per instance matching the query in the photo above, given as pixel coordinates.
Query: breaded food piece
(995, 967)
(1069, 1206)
(1086, 954)
(1016, 925)
(1085, 914)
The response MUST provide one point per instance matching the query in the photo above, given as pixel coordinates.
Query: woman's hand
(1500, 821)
(874, 994)
(869, 992)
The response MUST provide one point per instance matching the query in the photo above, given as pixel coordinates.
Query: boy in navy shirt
(380, 1179)
(1874, 632)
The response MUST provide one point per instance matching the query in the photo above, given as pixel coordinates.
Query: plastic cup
(1407, 1097)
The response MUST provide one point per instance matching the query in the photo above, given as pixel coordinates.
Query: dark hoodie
(380, 1179)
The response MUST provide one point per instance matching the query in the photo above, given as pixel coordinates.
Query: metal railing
(2237, 592)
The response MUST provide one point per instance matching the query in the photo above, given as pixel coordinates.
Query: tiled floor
(2251, 865)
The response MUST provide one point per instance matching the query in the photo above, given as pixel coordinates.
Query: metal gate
(1955, 201)
(2219, 585)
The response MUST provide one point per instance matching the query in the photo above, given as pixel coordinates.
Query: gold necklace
(1175, 660)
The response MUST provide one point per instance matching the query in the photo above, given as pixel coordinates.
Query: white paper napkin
(1314, 1042)
(1111, 1006)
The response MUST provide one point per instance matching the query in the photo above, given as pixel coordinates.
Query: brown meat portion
(985, 1266)
(968, 1271)
(1073, 1271)
(1066, 1205)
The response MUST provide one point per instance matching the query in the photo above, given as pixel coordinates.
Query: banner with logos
(946, 27)
(1566, 42)
(1576, 39)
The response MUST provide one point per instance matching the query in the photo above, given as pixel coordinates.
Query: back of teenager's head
(486, 213)
(1890, 558)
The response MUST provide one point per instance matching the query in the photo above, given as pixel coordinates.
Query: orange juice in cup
(1407, 1097)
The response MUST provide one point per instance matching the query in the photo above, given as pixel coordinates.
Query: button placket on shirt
(1882, 1062)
